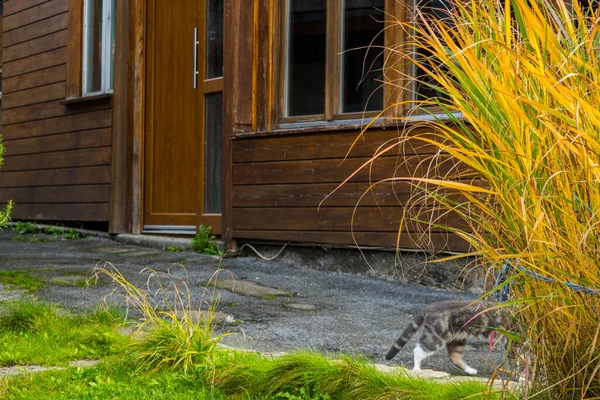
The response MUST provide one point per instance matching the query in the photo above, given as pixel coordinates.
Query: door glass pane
(213, 154)
(92, 63)
(305, 78)
(111, 54)
(362, 59)
(214, 39)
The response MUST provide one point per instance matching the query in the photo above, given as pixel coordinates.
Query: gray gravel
(344, 312)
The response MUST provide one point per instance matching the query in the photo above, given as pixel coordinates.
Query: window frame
(107, 58)
(74, 92)
(333, 68)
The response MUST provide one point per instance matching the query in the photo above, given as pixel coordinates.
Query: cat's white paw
(416, 368)
(470, 371)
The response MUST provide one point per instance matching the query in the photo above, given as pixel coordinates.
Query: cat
(448, 323)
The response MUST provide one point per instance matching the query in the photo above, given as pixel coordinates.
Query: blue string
(503, 292)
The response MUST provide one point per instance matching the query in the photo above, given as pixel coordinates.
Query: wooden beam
(228, 110)
(137, 68)
(120, 168)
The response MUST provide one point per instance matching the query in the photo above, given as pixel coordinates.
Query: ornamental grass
(518, 109)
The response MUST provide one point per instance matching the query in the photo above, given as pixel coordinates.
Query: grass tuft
(177, 335)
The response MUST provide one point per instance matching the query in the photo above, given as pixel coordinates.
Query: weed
(26, 239)
(174, 249)
(22, 280)
(62, 233)
(203, 242)
(25, 227)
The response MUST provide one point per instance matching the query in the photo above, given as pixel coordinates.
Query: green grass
(110, 380)
(21, 279)
(37, 333)
(308, 375)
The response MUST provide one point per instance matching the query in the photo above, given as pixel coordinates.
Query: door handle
(195, 58)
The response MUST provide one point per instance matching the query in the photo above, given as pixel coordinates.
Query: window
(332, 59)
(98, 46)
(424, 87)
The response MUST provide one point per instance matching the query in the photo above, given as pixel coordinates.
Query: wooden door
(174, 145)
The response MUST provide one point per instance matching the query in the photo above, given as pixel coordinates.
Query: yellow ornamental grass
(525, 78)
(4, 214)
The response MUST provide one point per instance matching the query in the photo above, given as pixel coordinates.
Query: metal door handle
(195, 58)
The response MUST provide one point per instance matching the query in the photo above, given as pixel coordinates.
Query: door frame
(127, 203)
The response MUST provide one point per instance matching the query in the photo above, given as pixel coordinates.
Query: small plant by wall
(204, 242)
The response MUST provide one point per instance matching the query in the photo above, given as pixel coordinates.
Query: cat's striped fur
(448, 323)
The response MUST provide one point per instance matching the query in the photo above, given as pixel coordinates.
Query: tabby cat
(448, 323)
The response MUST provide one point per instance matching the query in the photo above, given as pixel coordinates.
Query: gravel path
(300, 308)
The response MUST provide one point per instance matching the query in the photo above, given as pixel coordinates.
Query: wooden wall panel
(35, 79)
(280, 184)
(336, 170)
(84, 121)
(336, 219)
(41, 94)
(29, 32)
(35, 46)
(55, 177)
(57, 164)
(14, 6)
(321, 145)
(68, 212)
(35, 63)
(60, 142)
(432, 241)
(46, 110)
(57, 194)
(37, 13)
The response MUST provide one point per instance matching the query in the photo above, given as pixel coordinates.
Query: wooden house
(156, 116)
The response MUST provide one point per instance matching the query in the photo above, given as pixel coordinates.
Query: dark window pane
(362, 65)
(93, 46)
(213, 155)
(425, 87)
(307, 29)
(214, 39)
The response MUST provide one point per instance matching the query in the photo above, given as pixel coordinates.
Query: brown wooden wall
(57, 160)
(280, 181)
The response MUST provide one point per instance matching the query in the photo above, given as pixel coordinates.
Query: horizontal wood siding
(57, 164)
(284, 189)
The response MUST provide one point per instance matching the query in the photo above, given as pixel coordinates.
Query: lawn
(33, 332)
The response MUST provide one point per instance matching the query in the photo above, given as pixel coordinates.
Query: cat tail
(405, 336)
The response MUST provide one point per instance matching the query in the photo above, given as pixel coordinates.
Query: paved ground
(308, 309)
